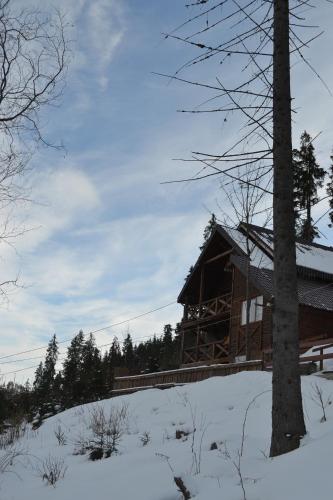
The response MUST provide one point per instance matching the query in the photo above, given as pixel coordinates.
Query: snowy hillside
(193, 432)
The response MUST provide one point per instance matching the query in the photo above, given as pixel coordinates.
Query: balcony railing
(208, 309)
(212, 352)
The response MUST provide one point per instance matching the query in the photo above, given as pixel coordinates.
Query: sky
(106, 239)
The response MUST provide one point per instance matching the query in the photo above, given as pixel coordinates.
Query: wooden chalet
(214, 297)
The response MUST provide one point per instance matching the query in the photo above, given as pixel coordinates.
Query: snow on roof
(258, 257)
(314, 256)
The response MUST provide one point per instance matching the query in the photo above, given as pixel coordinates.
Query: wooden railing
(213, 351)
(208, 308)
(304, 346)
(181, 376)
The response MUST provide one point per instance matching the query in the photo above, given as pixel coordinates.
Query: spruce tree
(208, 229)
(91, 373)
(128, 353)
(38, 380)
(72, 369)
(329, 189)
(115, 354)
(167, 354)
(308, 177)
(49, 366)
(106, 374)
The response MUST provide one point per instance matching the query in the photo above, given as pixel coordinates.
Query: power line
(93, 331)
(109, 343)
(61, 354)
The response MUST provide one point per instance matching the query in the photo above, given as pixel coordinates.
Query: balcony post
(201, 286)
(185, 315)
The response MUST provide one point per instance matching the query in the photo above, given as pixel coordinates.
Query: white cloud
(106, 23)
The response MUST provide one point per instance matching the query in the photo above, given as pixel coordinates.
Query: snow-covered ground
(205, 415)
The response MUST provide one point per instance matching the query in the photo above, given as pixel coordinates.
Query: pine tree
(308, 177)
(208, 230)
(329, 190)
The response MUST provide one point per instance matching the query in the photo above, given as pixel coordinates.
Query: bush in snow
(8, 458)
(13, 432)
(60, 435)
(107, 430)
(51, 469)
(321, 400)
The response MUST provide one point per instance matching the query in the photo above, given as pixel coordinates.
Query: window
(256, 307)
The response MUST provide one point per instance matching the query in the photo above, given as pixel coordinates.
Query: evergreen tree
(72, 369)
(128, 353)
(106, 374)
(38, 378)
(46, 373)
(308, 177)
(49, 371)
(87, 368)
(208, 230)
(168, 349)
(329, 190)
(115, 354)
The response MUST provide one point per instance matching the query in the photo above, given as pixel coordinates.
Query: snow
(216, 409)
(313, 257)
(258, 257)
(308, 256)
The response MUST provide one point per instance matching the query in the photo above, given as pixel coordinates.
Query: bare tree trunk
(287, 412)
(248, 301)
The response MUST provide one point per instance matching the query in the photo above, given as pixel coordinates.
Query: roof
(311, 257)
(314, 263)
(312, 293)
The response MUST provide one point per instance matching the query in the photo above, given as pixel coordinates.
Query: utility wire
(93, 331)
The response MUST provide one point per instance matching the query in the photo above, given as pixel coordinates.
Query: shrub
(52, 469)
(8, 457)
(60, 435)
(107, 429)
(14, 431)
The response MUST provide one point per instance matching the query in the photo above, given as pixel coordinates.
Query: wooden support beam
(219, 256)
(201, 284)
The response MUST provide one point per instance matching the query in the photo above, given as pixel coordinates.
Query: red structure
(235, 267)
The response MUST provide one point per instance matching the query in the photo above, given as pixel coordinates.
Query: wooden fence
(305, 346)
(171, 378)
(182, 376)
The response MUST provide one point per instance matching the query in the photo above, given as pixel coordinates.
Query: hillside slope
(207, 418)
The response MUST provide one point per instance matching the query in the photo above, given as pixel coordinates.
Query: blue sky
(108, 240)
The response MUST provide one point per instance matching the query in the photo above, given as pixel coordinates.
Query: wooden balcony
(208, 309)
(208, 353)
